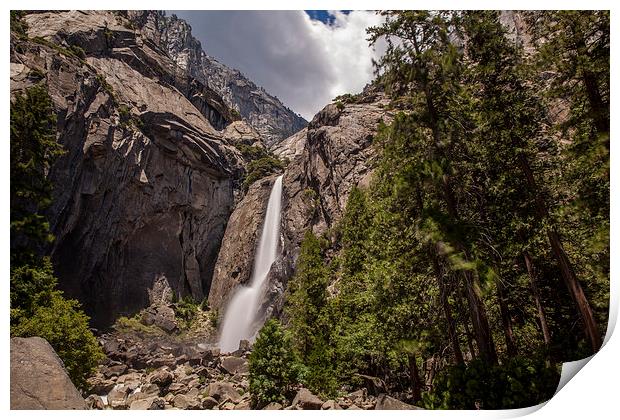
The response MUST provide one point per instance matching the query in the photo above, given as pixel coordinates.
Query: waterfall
(241, 313)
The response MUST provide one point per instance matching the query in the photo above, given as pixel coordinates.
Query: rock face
(337, 156)
(38, 378)
(145, 188)
(327, 160)
(291, 147)
(235, 260)
(265, 113)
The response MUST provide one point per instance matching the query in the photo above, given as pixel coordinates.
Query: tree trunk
(416, 382)
(458, 356)
(566, 268)
(511, 347)
(535, 292)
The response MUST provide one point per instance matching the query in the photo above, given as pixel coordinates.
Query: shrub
(63, 324)
(272, 365)
(185, 311)
(261, 168)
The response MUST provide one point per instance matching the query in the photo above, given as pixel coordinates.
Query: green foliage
(185, 310)
(429, 263)
(339, 105)
(33, 149)
(272, 365)
(251, 153)
(258, 169)
(521, 382)
(28, 283)
(17, 24)
(63, 324)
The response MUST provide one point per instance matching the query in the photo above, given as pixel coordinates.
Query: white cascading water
(242, 310)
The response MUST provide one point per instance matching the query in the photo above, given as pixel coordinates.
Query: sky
(305, 58)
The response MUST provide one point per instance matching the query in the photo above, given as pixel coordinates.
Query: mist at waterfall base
(241, 313)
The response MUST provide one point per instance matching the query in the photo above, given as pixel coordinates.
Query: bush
(520, 382)
(272, 365)
(185, 311)
(27, 283)
(63, 324)
(261, 168)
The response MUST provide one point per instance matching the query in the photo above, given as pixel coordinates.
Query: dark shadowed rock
(146, 178)
(374, 385)
(38, 378)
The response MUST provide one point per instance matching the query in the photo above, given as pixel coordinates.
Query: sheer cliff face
(328, 159)
(145, 187)
(265, 113)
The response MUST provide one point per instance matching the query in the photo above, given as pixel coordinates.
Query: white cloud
(304, 62)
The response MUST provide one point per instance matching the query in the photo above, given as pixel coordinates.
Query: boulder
(208, 403)
(273, 406)
(243, 405)
(186, 403)
(95, 402)
(117, 398)
(385, 402)
(353, 407)
(223, 391)
(116, 369)
(38, 378)
(234, 365)
(161, 377)
(157, 404)
(142, 404)
(99, 385)
(374, 385)
(330, 405)
(306, 400)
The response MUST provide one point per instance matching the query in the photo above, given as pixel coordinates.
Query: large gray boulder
(38, 378)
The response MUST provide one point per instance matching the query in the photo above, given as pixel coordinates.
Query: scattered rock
(157, 404)
(99, 385)
(116, 369)
(234, 364)
(331, 405)
(161, 377)
(223, 391)
(353, 407)
(144, 404)
(306, 400)
(38, 378)
(185, 403)
(95, 402)
(208, 403)
(243, 405)
(273, 406)
(385, 402)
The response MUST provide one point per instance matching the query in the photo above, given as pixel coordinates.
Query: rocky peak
(264, 112)
(146, 185)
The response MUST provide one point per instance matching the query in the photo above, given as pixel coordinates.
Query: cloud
(304, 62)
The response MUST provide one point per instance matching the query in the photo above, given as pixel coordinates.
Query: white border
(592, 394)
